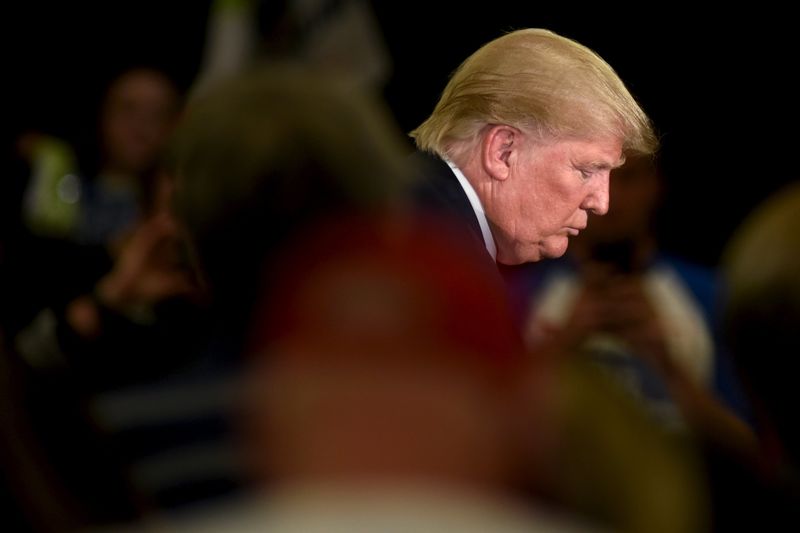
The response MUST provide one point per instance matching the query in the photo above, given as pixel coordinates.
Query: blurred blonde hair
(762, 260)
(305, 135)
(542, 83)
(261, 155)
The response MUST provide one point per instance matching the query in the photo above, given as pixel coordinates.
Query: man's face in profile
(547, 197)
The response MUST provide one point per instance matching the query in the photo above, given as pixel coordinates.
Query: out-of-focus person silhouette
(522, 141)
(762, 326)
(139, 112)
(96, 223)
(80, 209)
(92, 194)
(390, 361)
(252, 174)
(75, 321)
(647, 317)
(83, 212)
(383, 385)
(83, 199)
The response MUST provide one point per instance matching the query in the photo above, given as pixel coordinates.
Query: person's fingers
(147, 245)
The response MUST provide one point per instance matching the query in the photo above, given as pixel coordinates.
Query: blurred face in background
(139, 112)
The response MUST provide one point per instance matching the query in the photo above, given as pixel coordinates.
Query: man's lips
(574, 231)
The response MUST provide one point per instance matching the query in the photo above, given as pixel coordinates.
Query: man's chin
(517, 258)
(535, 252)
(554, 248)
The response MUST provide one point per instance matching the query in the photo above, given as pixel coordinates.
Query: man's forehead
(602, 155)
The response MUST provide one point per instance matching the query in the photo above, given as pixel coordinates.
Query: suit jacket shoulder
(438, 191)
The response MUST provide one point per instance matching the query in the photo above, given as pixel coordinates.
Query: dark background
(717, 84)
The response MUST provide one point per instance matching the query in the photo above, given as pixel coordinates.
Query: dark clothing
(439, 190)
(438, 193)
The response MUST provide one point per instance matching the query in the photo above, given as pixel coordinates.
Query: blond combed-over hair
(542, 83)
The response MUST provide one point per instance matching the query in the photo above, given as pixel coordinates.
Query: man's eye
(586, 174)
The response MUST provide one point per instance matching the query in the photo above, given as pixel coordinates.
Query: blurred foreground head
(762, 265)
(260, 156)
(384, 356)
(383, 352)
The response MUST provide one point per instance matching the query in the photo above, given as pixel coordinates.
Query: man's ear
(498, 147)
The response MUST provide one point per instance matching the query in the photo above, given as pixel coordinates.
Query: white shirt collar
(477, 206)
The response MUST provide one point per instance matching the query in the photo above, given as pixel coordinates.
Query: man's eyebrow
(602, 165)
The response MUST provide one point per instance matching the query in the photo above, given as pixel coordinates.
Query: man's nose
(597, 199)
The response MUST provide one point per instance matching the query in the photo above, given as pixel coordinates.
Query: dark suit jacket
(438, 191)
